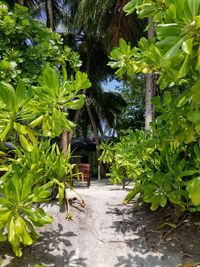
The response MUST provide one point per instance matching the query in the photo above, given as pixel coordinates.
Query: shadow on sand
(52, 249)
(151, 244)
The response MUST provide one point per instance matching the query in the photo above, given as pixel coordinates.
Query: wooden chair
(84, 169)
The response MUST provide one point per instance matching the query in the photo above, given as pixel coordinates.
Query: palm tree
(98, 25)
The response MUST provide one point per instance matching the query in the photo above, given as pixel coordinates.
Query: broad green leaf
(132, 193)
(76, 103)
(25, 143)
(81, 81)
(23, 130)
(197, 151)
(26, 239)
(188, 173)
(68, 125)
(27, 186)
(11, 231)
(64, 73)
(37, 121)
(20, 92)
(7, 95)
(156, 201)
(173, 50)
(5, 131)
(187, 46)
(182, 9)
(194, 116)
(3, 237)
(4, 214)
(198, 59)
(51, 79)
(130, 7)
(19, 225)
(171, 12)
(184, 68)
(163, 201)
(168, 30)
(167, 98)
(194, 7)
(193, 188)
(61, 189)
(17, 187)
(197, 21)
(184, 98)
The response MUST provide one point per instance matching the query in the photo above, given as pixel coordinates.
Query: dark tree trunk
(96, 136)
(49, 14)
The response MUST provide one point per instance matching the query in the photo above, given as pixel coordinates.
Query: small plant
(20, 191)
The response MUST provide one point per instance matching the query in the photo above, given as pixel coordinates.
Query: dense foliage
(35, 98)
(26, 46)
(164, 162)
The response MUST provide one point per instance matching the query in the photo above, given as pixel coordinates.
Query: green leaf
(193, 188)
(184, 68)
(129, 7)
(64, 72)
(7, 95)
(37, 121)
(61, 189)
(163, 201)
(132, 193)
(76, 103)
(194, 116)
(81, 81)
(25, 143)
(27, 186)
(51, 79)
(5, 131)
(155, 203)
(184, 98)
(172, 52)
(23, 130)
(187, 46)
(165, 31)
(171, 12)
(194, 7)
(197, 151)
(20, 92)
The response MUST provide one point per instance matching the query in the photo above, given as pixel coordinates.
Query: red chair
(84, 169)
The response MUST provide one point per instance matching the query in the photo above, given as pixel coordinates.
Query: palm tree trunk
(49, 14)
(150, 90)
(96, 136)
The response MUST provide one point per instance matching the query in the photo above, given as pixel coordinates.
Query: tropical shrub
(34, 101)
(164, 162)
(32, 114)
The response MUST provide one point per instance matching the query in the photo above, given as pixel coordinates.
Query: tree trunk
(75, 121)
(64, 142)
(49, 14)
(96, 136)
(150, 90)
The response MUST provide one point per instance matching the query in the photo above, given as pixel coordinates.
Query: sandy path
(103, 234)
